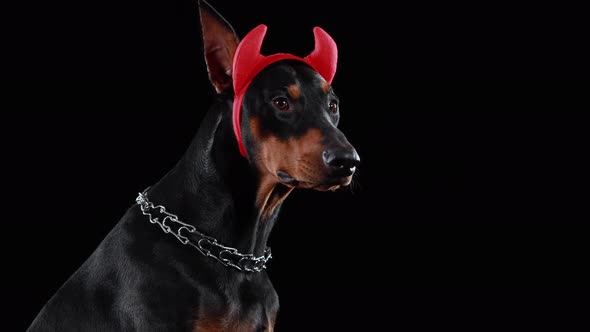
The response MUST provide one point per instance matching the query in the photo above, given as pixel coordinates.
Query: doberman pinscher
(199, 265)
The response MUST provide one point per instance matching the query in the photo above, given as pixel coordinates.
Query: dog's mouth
(286, 178)
(327, 184)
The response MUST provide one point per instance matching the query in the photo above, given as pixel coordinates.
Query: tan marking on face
(255, 127)
(325, 86)
(300, 157)
(294, 91)
(270, 195)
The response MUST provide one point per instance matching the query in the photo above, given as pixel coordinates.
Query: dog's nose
(342, 159)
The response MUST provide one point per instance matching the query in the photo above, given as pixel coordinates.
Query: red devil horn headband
(248, 62)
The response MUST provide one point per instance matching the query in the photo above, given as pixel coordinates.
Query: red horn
(325, 55)
(247, 56)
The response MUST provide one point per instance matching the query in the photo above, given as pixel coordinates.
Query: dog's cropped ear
(219, 43)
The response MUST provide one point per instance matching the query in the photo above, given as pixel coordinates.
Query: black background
(469, 211)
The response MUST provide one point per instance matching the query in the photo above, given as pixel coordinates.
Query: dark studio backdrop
(469, 211)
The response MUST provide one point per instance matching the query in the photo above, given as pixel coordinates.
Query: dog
(191, 254)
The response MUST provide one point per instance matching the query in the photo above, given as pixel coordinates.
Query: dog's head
(288, 111)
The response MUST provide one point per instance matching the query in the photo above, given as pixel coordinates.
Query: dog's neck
(217, 190)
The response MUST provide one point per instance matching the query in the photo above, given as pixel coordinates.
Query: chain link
(206, 245)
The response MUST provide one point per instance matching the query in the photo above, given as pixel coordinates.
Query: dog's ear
(219, 43)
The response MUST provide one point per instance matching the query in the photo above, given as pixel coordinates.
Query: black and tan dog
(199, 265)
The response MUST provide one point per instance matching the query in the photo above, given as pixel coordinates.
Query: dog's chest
(249, 307)
(234, 321)
(231, 323)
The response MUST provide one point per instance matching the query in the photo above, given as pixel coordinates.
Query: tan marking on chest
(226, 324)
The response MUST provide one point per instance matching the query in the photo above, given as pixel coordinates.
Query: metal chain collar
(206, 245)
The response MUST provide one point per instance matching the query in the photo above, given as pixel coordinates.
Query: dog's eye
(333, 106)
(281, 103)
